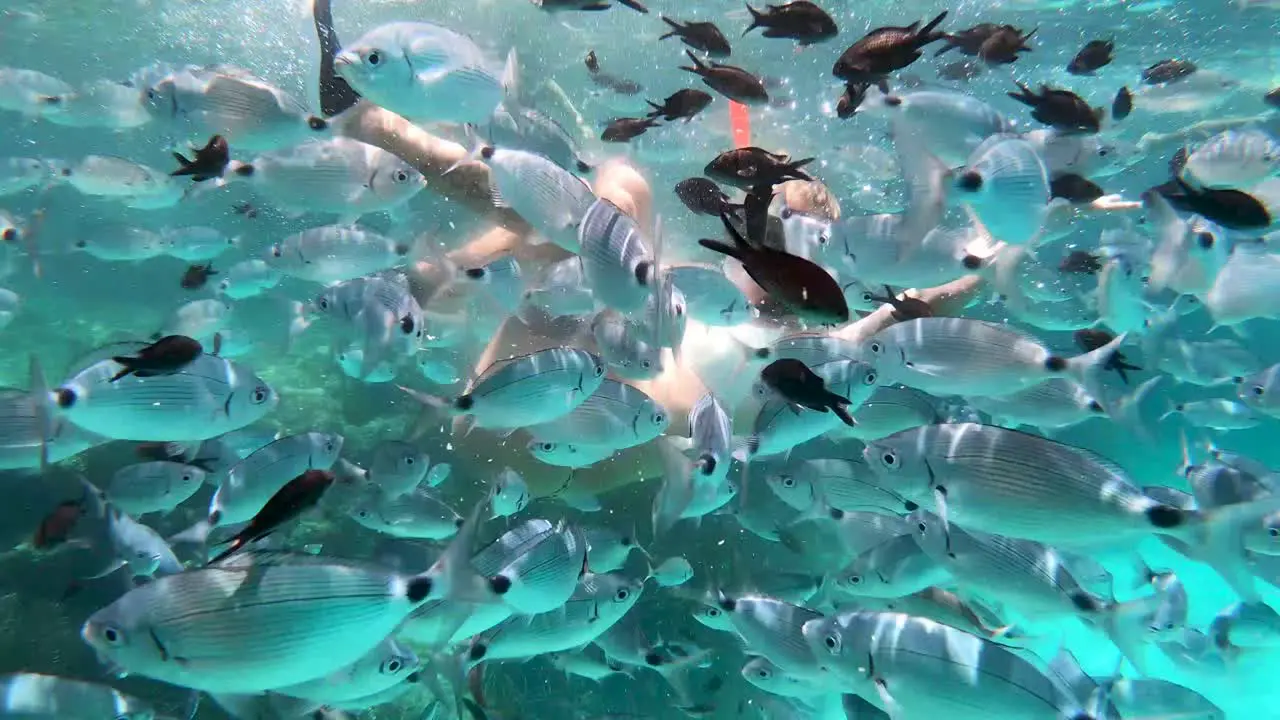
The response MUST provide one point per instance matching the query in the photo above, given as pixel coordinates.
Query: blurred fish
(799, 20)
(388, 664)
(48, 697)
(333, 253)
(1059, 109)
(510, 494)
(419, 513)
(703, 36)
(131, 544)
(158, 486)
(1006, 186)
(672, 572)
(296, 497)
(1095, 55)
(116, 178)
(732, 82)
(398, 467)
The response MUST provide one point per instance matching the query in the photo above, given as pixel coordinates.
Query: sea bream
(426, 73)
(207, 398)
(334, 253)
(31, 696)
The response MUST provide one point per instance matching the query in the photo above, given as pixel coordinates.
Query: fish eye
(406, 325)
(112, 635)
(373, 58)
(276, 251)
(409, 460)
(548, 447)
(713, 612)
(646, 364)
(823, 239)
(1273, 532)
(832, 642)
(762, 674)
(151, 94)
(323, 303)
(362, 513)
(186, 477)
(1259, 391)
(867, 297)
(788, 482)
(785, 213)
(622, 594)
(599, 370)
(889, 458)
(659, 418)
(392, 666)
(260, 394)
(870, 379)
(922, 527)
(855, 579)
(1205, 239)
(401, 176)
(1103, 152)
(875, 348)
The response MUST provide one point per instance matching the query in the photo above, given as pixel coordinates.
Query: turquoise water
(76, 303)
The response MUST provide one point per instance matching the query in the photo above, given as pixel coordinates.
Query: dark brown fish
(1090, 339)
(1003, 46)
(1075, 189)
(799, 20)
(165, 356)
(803, 287)
(627, 129)
(1272, 98)
(748, 167)
(209, 162)
(197, 276)
(851, 99)
(296, 497)
(1167, 71)
(1230, 208)
(799, 385)
(756, 214)
(704, 36)
(1060, 109)
(1095, 55)
(969, 41)
(556, 6)
(904, 308)
(732, 82)
(1122, 105)
(886, 50)
(685, 104)
(593, 63)
(704, 197)
(1080, 262)
(55, 528)
(246, 209)
(960, 71)
(622, 86)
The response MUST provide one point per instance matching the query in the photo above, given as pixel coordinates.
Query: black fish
(592, 62)
(335, 94)
(704, 197)
(1075, 189)
(1090, 339)
(1060, 109)
(799, 20)
(885, 50)
(732, 82)
(197, 276)
(756, 213)
(685, 104)
(970, 41)
(1166, 71)
(1080, 262)
(1122, 105)
(296, 497)
(625, 129)
(622, 86)
(165, 356)
(704, 36)
(209, 162)
(904, 308)
(1234, 209)
(851, 99)
(749, 167)
(799, 385)
(1272, 98)
(1095, 55)
(803, 287)
(1003, 46)
(587, 5)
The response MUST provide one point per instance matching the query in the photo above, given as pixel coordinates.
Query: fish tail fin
(452, 576)
(756, 17)
(511, 74)
(927, 34)
(432, 405)
(926, 177)
(841, 409)
(38, 387)
(1086, 368)
(635, 5)
(197, 534)
(475, 148)
(698, 65)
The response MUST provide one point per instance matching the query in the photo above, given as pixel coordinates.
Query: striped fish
(616, 415)
(535, 565)
(617, 260)
(30, 696)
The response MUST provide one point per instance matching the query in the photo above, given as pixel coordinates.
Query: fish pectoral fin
(111, 567)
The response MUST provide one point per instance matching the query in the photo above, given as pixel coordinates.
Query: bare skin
(480, 453)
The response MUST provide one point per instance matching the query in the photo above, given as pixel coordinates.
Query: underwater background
(78, 303)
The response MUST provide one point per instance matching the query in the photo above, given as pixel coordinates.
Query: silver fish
(975, 475)
(137, 186)
(552, 199)
(206, 398)
(1234, 159)
(710, 297)
(528, 389)
(1050, 405)
(627, 345)
(251, 113)
(510, 494)
(379, 313)
(608, 549)
(333, 253)
(891, 409)
(591, 664)
(615, 415)
(711, 437)
(398, 467)
(197, 244)
(254, 480)
(617, 258)
(892, 569)
(154, 486)
(535, 566)
(257, 621)
(763, 673)
(386, 665)
(18, 174)
(958, 356)
(780, 425)
(248, 278)
(561, 289)
(425, 72)
(847, 485)
(1148, 697)
(48, 697)
(419, 513)
(132, 544)
(773, 628)
(120, 243)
